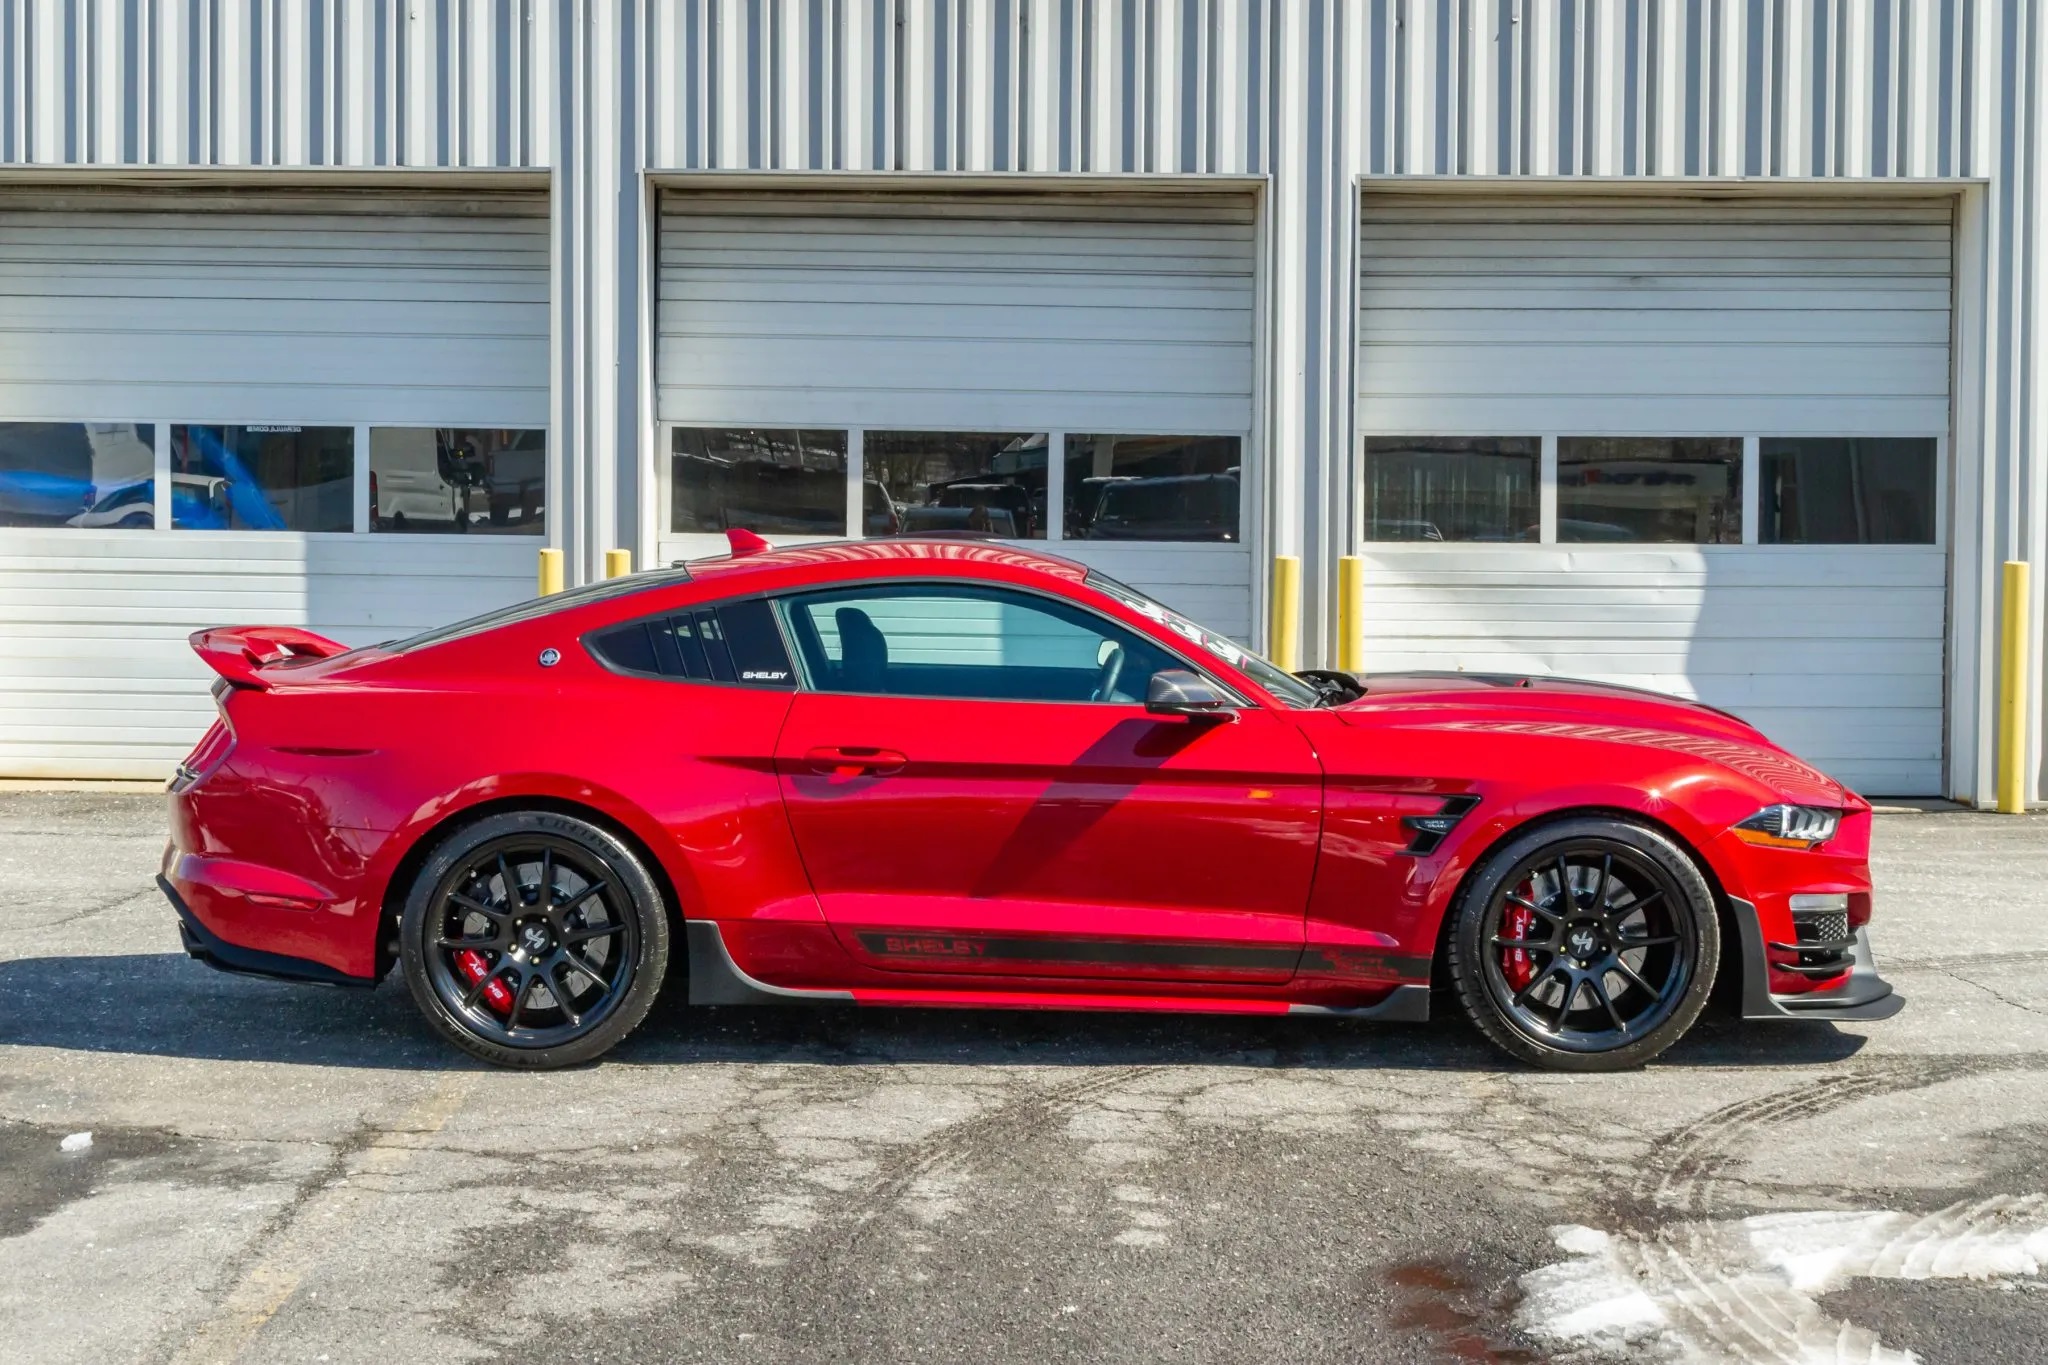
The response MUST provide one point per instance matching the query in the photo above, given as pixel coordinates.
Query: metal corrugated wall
(274, 82)
(1314, 93)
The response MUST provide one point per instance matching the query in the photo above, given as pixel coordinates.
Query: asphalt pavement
(282, 1173)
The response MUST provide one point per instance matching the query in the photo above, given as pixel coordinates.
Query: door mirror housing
(1178, 692)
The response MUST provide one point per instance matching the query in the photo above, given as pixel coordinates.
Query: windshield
(1275, 679)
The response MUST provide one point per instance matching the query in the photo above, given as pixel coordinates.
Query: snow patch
(77, 1142)
(1722, 1291)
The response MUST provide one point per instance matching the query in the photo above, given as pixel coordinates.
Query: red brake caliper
(1518, 965)
(497, 995)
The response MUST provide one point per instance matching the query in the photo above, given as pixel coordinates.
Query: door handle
(851, 760)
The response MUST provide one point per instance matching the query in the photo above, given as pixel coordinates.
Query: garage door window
(263, 478)
(94, 475)
(1166, 488)
(992, 482)
(1674, 490)
(458, 479)
(1451, 487)
(774, 481)
(1847, 491)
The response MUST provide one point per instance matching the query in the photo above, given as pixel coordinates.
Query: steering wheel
(1112, 669)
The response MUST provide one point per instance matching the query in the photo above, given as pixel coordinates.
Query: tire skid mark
(946, 1149)
(1680, 1176)
(813, 1272)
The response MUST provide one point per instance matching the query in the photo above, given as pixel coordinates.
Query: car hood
(1566, 708)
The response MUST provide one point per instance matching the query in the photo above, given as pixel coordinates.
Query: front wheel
(1585, 945)
(532, 939)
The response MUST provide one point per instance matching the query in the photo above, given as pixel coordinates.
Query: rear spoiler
(240, 653)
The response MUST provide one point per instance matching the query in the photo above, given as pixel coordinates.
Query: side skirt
(715, 979)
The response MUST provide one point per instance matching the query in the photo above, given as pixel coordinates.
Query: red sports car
(955, 772)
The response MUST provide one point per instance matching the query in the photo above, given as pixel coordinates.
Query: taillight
(213, 750)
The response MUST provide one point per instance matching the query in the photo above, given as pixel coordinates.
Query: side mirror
(1177, 692)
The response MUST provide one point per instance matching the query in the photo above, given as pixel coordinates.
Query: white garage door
(1688, 445)
(314, 409)
(1073, 370)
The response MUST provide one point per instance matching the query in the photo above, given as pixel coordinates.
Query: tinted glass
(263, 478)
(739, 642)
(86, 474)
(1283, 685)
(1451, 487)
(968, 642)
(775, 482)
(755, 639)
(1683, 490)
(1848, 491)
(458, 479)
(939, 481)
(1152, 487)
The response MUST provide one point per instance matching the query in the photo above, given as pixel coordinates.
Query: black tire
(1601, 979)
(580, 972)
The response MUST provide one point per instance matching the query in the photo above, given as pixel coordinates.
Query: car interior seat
(863, 652)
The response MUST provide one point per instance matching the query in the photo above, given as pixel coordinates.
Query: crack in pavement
(282, 1253)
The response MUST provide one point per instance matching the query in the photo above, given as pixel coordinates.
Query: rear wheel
(1585, 945)
(532, 939)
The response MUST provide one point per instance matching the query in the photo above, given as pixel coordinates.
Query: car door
(975, 787)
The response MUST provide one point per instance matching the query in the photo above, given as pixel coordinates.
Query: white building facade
(1692, 344)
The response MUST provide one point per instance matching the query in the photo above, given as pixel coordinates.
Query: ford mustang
(952, 772)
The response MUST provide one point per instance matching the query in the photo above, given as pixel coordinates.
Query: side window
(735, 643)
(931, 640)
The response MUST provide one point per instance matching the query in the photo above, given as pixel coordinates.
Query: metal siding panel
(1647, 316)
(1851, 679)
(1087, 312)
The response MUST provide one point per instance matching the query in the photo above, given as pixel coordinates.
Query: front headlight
(1787, 826)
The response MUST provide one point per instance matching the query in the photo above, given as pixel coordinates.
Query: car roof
(940, 551)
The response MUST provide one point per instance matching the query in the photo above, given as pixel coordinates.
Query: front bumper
(1861, 995)
(218, 953)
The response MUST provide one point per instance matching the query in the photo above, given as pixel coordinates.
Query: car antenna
(744, 542)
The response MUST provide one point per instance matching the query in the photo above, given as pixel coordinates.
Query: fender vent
(1431, 830)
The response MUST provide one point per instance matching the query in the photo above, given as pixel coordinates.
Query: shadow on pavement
(166, 1005)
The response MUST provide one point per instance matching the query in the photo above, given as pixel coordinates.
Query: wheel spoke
(1622, 945)
(1606, 879)
(1530, 905)
(560, 990)
(477, 907)
(481, 984)
(547, 877)
(1598, 981)
(1568, 999)
(527, 981)
(1568, 898)
(1539, 945)
(585, 934)
(583, 965)
(1635, 979)
(1527, 995)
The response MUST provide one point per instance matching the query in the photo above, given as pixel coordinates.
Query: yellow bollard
(618, 563)
(2012, 702)
(1351, 614)
(1285, 610)
(550, 572)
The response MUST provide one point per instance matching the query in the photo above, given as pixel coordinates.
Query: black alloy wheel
(1586, 945)
(533, 939)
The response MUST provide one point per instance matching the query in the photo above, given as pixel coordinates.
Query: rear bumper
(216, 952)
(1860, 995)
